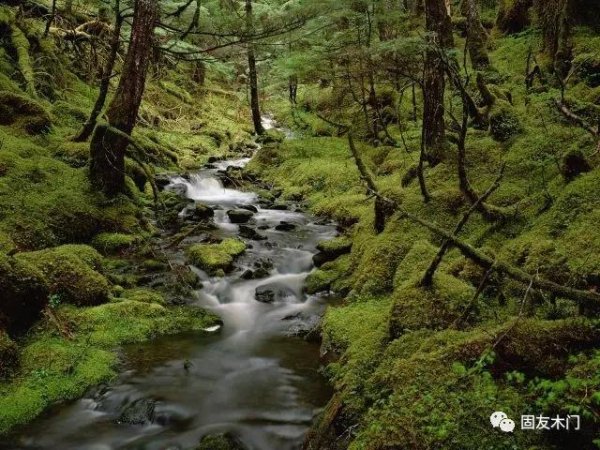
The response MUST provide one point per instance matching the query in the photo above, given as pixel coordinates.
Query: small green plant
(54, 301)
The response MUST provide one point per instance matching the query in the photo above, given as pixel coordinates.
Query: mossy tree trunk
(477, 37)
(107, 168)
(513, 15)
(107, 72)
(439, 26)
(252, 75)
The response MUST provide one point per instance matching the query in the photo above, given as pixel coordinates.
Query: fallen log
(581, 297)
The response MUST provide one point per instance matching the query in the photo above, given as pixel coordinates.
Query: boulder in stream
(274, 292)
(331, 250)
(221, 441)
(202, 212)
(285, 226)
(250, 233)
(138, 412)
(239, 215)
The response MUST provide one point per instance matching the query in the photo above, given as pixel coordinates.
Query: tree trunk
(50, 18)
(440, 28)
(252, 76)
(564, 55)
(90, 124)
(107, 168)
(513, 15)
(477, 36)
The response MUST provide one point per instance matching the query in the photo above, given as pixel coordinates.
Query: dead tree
(107, 148)
(427, 279)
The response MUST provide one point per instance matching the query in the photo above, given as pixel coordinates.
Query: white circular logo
(497, 417)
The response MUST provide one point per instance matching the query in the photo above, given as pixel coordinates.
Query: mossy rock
(332, 249)
(144, 296)
(415, 263)
(504, 122)
(23, 294)
(271, 137)
(574, 163)
(9, 355)
(75, 154)
(216, 258)
(114, 243)
(435, 307)
(222, 441)
(319, 281)
(70, 275)
(22, 112)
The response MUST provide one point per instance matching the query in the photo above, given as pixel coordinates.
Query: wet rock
(162, 180)
(274, 292)
(305, 326)
(285, 226)
(250, 233)
(279, 207)
(138, 412)
(169, 416)
(222, 441)
(214, 159)
(210, 166)
(202, 212)
(239, 215)
(178, 188)
(252, 208)
(256, 274)
(331, 250)
(263, 227)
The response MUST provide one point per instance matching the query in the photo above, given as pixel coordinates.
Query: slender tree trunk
(50, 18)
(476, 35)
(440, 28)
(252, 75)
(90, 124)
(107, 168)
(564, 54)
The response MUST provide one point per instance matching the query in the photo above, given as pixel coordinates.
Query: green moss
(54, 368)
(23, 113)
(9, 355)
(338, 246)
(23, 294)
(216, 257)
(143, 296)
(319, 281)
(436, 307)
(70, 274)
(75, 154)
(114, 243)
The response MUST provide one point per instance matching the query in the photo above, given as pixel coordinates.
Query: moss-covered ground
(424, 368)
(73, 263)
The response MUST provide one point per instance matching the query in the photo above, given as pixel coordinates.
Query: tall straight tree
(252, 75)
(107, 167)
(439, 28)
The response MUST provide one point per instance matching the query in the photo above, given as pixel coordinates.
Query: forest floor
(109, 282)
(417, 367)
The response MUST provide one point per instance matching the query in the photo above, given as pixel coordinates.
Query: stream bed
(254, 377)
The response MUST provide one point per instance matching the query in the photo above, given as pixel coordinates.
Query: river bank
(256, 378)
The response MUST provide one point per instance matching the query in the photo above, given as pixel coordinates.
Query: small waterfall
(208, 189)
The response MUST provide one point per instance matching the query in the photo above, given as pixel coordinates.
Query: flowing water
(252, 377)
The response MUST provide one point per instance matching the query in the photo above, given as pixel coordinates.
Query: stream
(254, 377)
